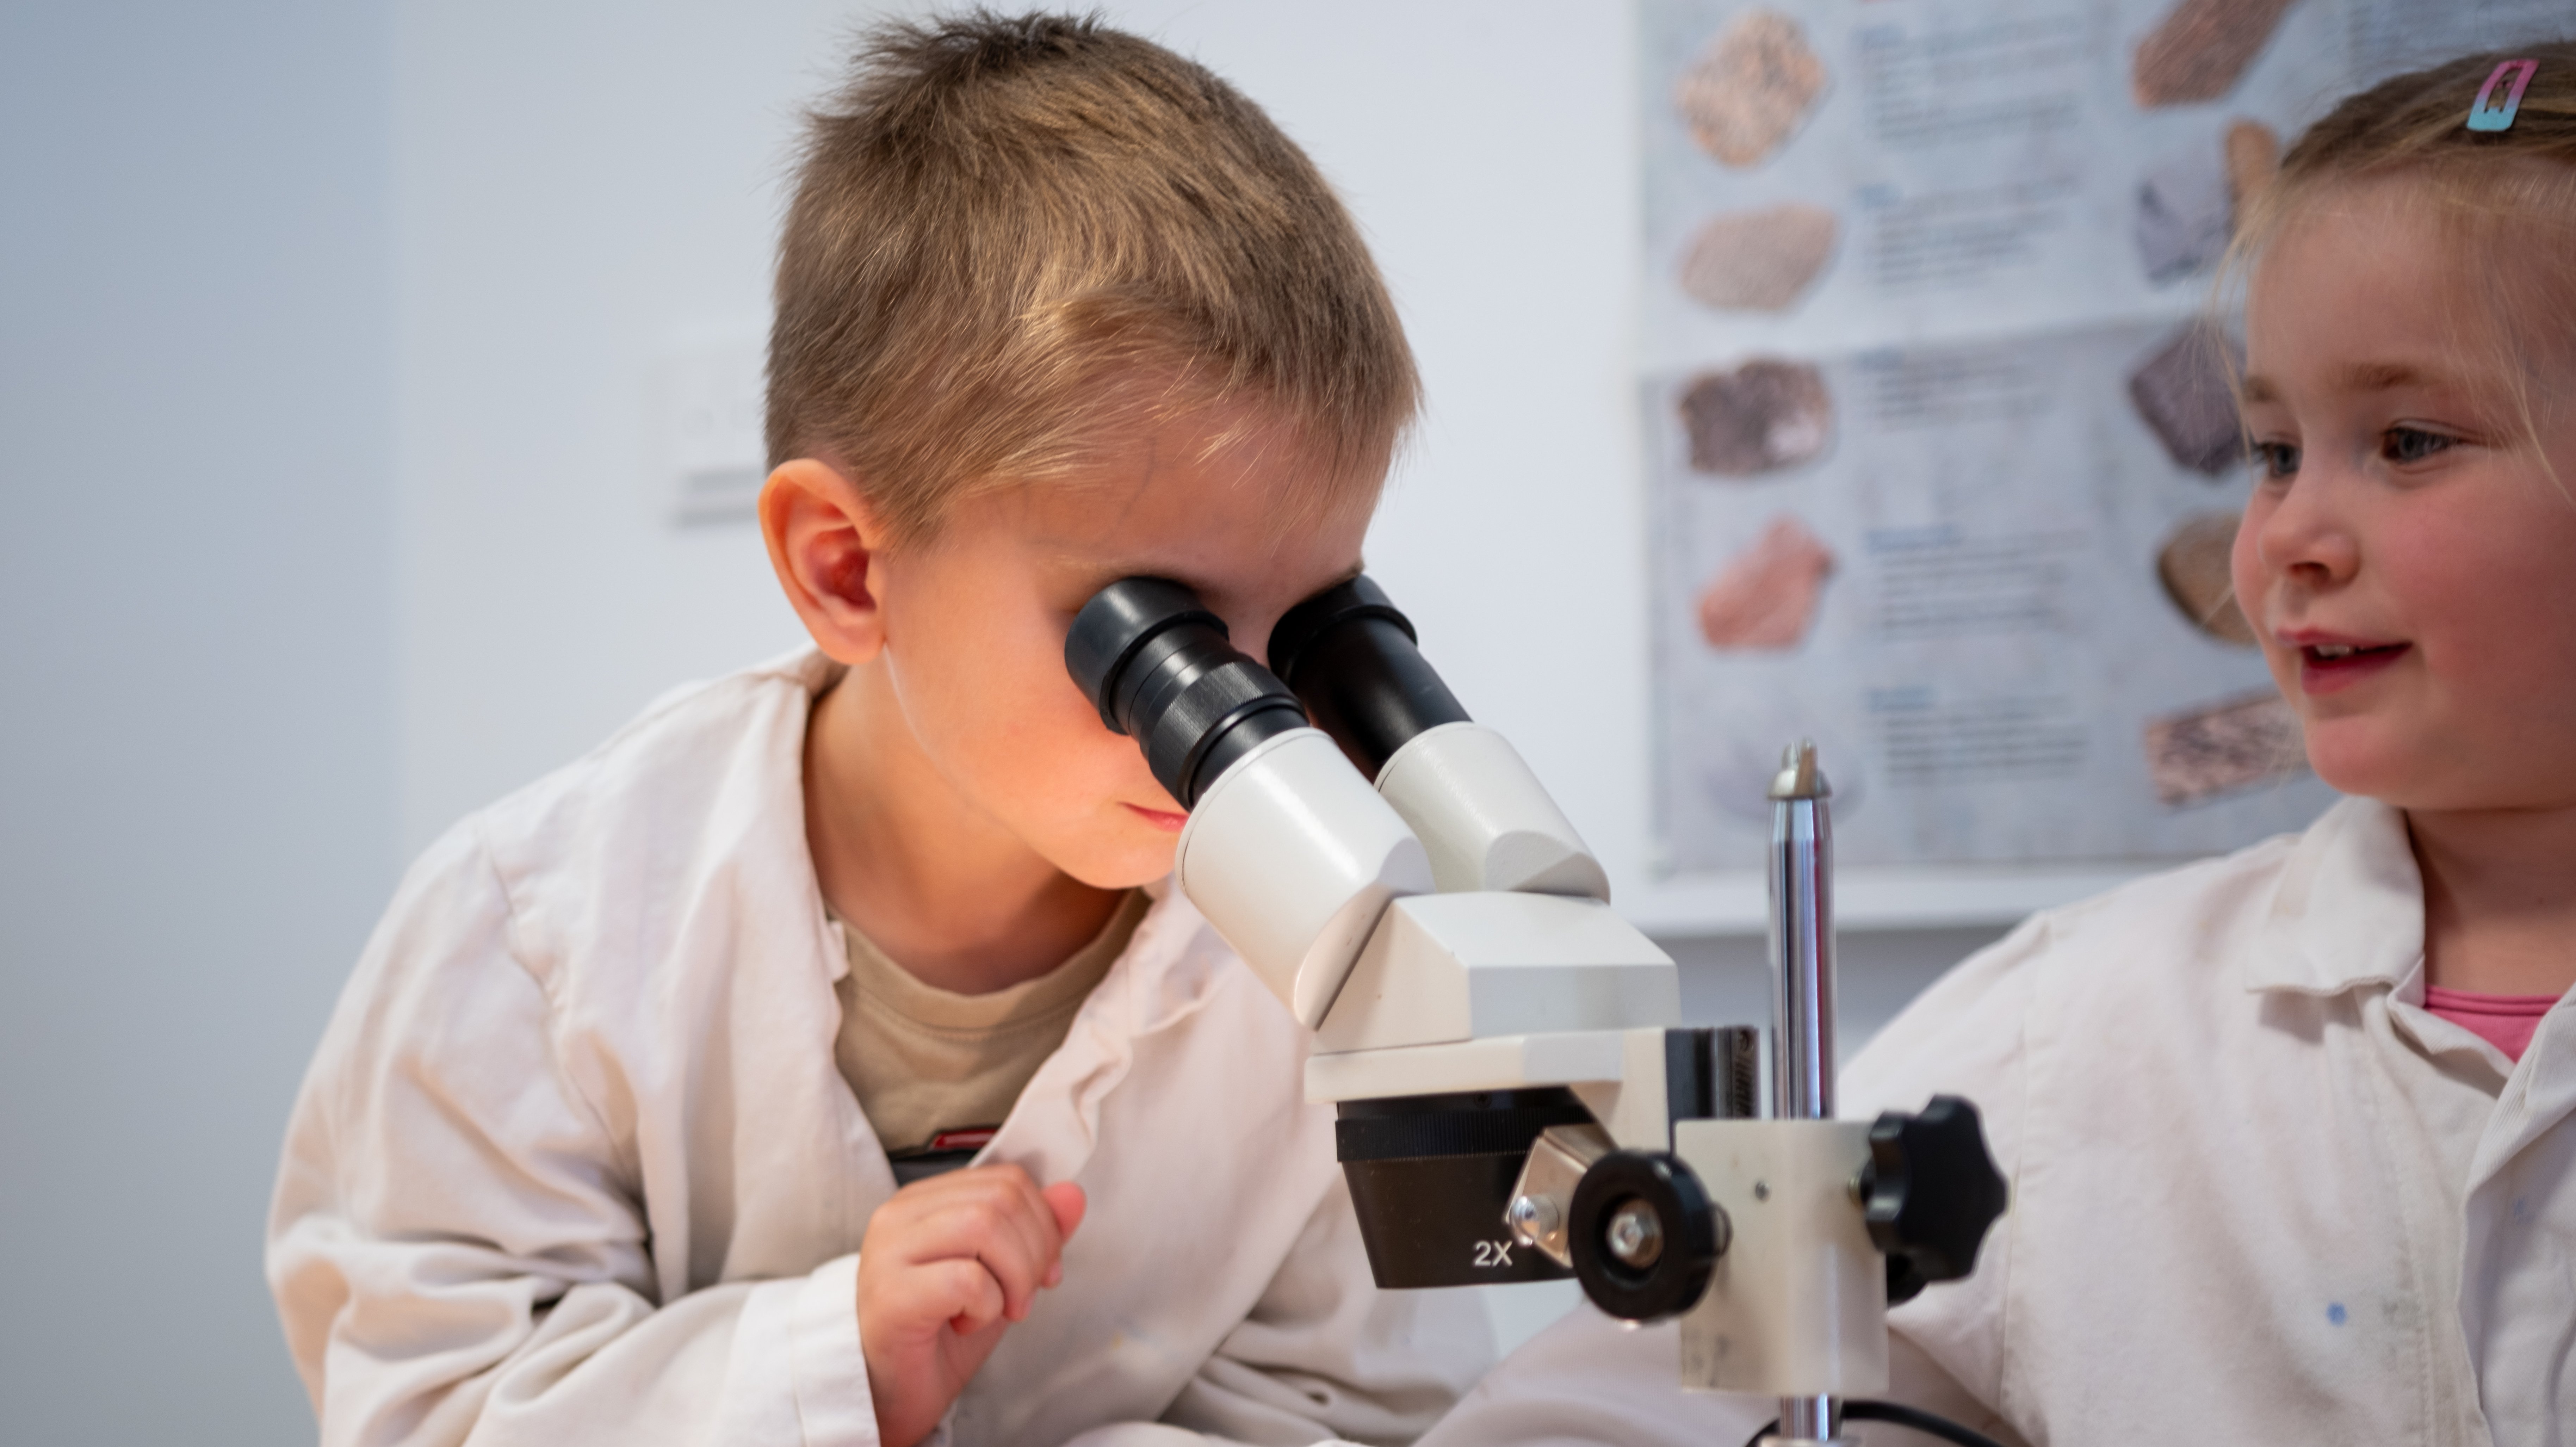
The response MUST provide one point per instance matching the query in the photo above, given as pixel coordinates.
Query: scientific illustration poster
(1942, 459)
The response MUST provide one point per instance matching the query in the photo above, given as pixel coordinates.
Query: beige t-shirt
(924, 1060)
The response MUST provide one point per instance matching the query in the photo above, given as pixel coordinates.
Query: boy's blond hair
(1012, 236)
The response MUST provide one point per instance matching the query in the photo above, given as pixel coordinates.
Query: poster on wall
(1941, 452)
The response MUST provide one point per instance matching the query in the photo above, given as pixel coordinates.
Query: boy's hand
(947, 1263)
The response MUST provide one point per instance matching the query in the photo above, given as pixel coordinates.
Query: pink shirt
(2503, 1021)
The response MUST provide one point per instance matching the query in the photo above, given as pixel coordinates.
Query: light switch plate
(708, 401)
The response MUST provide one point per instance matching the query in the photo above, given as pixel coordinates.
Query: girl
(2288, 1132)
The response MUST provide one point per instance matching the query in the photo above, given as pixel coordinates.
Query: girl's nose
(2306, 538)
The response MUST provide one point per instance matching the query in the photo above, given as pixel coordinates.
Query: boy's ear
(823, 538)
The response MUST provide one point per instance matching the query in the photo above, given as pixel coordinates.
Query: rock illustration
(2185, 396)
(2193, 566)
(1761, 417)
(1750, 89)
(1765, 597)
(2201, 49)
(2224, 748)
(1758, 260)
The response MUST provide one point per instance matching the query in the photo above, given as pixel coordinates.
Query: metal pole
(1802, 940)
(1802, 1000)
(1810, 1419)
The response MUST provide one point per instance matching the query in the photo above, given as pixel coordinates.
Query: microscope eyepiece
(1159, 667)
(1350, 657)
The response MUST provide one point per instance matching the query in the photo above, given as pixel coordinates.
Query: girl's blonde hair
(2499, 196)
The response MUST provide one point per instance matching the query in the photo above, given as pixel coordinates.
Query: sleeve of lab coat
(1589, 1379)
(456, 1244)
(1326, 1355)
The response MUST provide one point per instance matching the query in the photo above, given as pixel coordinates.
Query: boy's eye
(2411, 444)
(2276, 459)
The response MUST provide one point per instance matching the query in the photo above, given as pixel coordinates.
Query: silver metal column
(1809, 1419)
(1802, 999)
(1802, 940)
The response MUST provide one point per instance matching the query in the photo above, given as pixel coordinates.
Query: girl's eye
(2276, 459)
(2411, 444)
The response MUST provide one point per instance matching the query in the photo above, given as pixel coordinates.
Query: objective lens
(1158, 666)
(1431, 1179)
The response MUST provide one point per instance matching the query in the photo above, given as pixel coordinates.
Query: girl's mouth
(2328, 667)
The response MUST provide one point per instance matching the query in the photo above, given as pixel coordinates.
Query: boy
(820, 1060)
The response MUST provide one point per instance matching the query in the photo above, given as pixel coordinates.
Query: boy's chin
(1125, 865)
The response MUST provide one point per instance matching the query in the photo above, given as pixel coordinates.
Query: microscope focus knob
(1929, 1193)
(1644, 1234)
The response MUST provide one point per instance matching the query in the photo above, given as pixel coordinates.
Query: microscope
(1517, 1097)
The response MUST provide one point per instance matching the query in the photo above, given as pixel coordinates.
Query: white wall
(576, 183)
(197, 811)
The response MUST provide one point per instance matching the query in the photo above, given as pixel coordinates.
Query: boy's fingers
(1033, 1223)
(968, 1297)
(963, 1222)
(1005, 1189)
(1021, 1266)
(1067, 1201)
(1043, 1216)
(993, 1220)
(1014, 1239)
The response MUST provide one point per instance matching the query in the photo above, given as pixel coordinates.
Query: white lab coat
(2258, 1194)
(574, 1162)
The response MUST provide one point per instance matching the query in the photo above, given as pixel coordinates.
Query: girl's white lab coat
(574, 1163)
(2258, 1194)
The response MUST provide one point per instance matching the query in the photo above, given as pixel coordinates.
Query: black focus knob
(1644, 1235)
(1929, 1193)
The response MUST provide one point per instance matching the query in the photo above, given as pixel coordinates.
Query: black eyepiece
(1158, 666)
(1350, 657)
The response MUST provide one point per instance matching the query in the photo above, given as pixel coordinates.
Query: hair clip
(2484, 116)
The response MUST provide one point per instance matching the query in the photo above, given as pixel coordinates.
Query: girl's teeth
(2334, 650)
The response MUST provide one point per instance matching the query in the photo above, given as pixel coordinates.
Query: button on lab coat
(2258, 1193)
(574, 1162)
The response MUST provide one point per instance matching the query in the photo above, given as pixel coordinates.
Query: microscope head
(1448, 908)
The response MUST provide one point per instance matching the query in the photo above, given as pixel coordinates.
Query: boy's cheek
(1084, 775)
(1107, 851)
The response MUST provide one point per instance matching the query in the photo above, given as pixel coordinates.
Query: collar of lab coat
(2347, 908)
(1171, 968)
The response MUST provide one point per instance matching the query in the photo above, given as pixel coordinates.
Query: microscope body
(1478, 993)
(1518, 1097)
